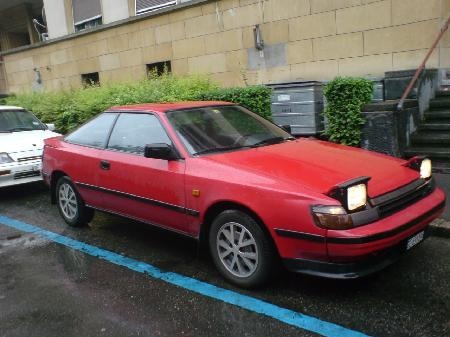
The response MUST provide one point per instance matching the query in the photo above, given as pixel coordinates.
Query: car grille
(29, 158)
(401, 198)
(26, 174)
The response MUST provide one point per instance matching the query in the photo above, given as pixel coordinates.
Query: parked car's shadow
(20, 191)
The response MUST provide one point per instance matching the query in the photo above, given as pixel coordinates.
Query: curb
(440, 228)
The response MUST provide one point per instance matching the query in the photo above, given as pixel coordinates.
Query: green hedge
(69, 109)
(345, 98)
(254, 98)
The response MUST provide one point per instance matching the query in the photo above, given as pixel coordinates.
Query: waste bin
(299, 105)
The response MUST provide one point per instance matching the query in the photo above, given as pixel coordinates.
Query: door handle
(105, 165)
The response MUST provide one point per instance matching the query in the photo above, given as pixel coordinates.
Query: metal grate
(391, 205)
(29, 158)
(27, 174)
(148, 5)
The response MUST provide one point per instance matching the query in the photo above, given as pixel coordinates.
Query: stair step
(431, 152)
(440, 103)
(440, 157)
(440, 166)
(435, 126)
(437, 115)
(442, 93)
(433, 138)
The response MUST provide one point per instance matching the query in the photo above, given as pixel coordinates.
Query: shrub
(69, 109)
(254, 98)
(345, 98)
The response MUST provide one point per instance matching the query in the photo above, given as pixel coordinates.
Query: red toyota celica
(255, 195)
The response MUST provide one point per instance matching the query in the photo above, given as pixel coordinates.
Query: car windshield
(19, 120)
(224, 128)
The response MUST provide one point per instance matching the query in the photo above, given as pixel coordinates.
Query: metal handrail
(422, 65)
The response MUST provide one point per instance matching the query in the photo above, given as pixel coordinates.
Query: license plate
(414, 240)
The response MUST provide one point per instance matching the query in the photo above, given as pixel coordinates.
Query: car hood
(320, 165)
(13, 142)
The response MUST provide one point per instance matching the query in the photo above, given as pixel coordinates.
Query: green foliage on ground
(69, 109)
(346, 96)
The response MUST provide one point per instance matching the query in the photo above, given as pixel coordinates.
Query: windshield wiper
(20, 129)
(271, 141)
(219, 149)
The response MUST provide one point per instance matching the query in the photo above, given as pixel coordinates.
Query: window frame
(159, 119)
(88, 121)
(84, 21)
(154, 8)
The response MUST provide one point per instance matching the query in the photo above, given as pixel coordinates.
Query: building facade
(236, 42)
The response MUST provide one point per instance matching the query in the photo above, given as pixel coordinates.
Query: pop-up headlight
(352, 194)
(421, 164)
(425, 169)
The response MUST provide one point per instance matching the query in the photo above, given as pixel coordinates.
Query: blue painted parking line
(231, 297)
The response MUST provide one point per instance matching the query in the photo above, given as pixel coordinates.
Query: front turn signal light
(332, 217)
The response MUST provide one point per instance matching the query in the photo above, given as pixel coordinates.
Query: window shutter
(147, 5)
(85, 10)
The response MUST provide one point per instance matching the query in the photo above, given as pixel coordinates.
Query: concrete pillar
(55, 13)
(114, 10)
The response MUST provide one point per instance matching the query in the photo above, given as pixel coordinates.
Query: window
(90, 79)
(143, 6)
(133, 131)
(93, 133)
(159, 68)
(86, 14)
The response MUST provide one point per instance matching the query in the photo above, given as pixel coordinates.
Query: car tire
(241, 250)
(70, 204)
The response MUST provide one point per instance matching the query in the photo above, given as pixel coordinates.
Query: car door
(143, 188)
(80, 161)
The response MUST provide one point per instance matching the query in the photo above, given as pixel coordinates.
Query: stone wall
(304, 40)
(3, 87)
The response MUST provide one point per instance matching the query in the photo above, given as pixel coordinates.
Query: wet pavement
(47, 289)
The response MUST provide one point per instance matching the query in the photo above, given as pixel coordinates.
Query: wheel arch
(53, 181)
(215, 209)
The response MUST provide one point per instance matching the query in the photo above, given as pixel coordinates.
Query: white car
(22, 137)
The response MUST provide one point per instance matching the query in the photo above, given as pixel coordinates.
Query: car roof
(164, 107)
(10, 107)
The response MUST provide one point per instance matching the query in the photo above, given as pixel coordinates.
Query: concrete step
(440, 103)
(442, 153)
(431, 138)
(436, 126)
(442, 93)
(440, 157)
(440, 115)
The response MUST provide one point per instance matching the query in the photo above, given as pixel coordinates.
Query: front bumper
(20, 173)
(366, 249)
(371, 264)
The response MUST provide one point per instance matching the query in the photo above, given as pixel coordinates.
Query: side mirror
(160, 151)
(51, 127)
(286, 128)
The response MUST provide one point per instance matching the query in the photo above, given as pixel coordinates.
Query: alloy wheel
(68, 201)
(237, 249)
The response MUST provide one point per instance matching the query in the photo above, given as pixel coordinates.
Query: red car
(257, 196)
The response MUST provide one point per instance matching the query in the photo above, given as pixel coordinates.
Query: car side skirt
(153, 202)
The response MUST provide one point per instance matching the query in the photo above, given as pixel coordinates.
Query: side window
(93, 133)
(133, 131)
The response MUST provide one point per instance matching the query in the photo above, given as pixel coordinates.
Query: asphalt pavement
(48, 288)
